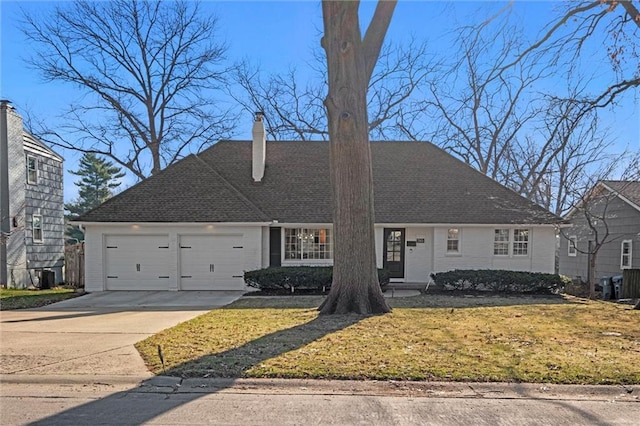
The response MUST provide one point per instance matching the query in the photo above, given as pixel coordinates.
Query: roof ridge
(232, 187)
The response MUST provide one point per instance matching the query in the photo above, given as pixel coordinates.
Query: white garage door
(137, 262)
(211, 262)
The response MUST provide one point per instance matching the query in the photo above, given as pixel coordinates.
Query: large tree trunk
(350, 62)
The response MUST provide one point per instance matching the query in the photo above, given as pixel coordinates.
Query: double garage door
(145, 262)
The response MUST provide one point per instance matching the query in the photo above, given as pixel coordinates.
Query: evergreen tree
(99, 180)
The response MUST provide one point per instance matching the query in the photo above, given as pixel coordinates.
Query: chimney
(259, 147)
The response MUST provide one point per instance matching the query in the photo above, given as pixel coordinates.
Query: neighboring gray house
(31, 207)
(613, 208)
(244, 205)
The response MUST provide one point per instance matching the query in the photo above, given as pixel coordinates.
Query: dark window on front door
(275, 250)
(393, 256)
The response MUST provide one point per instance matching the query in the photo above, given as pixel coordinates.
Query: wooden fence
(74, 265)
(631, 284)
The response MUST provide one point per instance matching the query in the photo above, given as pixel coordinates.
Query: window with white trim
(453, 240)
(625, 254)
(307, 243)
(572, 248)
(36, 226)
(32, 170)
(501, 242)
(520, 242)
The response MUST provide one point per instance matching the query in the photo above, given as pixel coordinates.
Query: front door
(393, 252)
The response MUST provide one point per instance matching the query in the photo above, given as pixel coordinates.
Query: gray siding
(623, 221)
(46, 199)
(23, 256)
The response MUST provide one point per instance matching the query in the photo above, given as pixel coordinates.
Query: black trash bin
(47, 280)
(605, 282)
(617, 286)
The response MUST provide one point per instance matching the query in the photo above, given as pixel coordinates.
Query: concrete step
(407, 286)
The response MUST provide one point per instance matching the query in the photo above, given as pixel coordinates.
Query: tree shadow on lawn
(236, 361)
(125, 407)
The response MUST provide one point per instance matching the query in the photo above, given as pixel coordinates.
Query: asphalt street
(294, 402)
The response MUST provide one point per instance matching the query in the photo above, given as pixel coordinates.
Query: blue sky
(277, 35)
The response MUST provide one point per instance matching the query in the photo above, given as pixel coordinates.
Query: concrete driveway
(93, 335)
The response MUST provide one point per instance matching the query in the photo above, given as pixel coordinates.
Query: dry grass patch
(556, 340)
(25, 299)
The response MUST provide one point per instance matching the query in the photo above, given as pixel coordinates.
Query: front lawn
(428, 337)
(23, 299)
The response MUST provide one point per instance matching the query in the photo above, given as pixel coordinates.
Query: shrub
(291, 278)
(501, 281)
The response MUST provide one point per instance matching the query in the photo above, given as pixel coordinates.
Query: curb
(72, 379)
(406, 389)
(539, 391)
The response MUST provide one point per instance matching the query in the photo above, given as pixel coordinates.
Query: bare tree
(480, 104)
(616, 22)
(555, 159)
(574, 137)
(489, 110)
(147, 70)
(350, 63)
(294, 109)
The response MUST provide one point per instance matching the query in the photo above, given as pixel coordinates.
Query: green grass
(512, 339)
(24, 299)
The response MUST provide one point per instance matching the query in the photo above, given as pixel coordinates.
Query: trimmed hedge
(501, 281)
(291, 278)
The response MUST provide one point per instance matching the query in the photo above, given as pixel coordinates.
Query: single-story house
(244, 205)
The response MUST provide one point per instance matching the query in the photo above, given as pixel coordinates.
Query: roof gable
(627, 191)
(414, 182)
(36, 146)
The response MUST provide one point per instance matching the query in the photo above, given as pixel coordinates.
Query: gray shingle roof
(188, 191)
(414, 182)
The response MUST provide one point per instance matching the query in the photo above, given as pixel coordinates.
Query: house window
(304, 243)
(36, 226)
(625, 254)
(520, 242)
(572, 249)
(501, 242)
(453, 240)
(32, 170)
